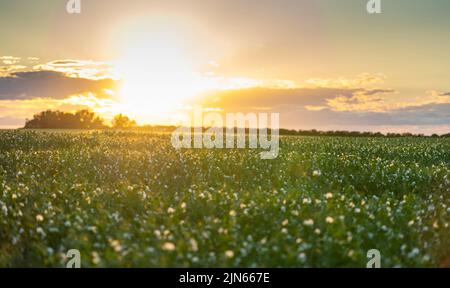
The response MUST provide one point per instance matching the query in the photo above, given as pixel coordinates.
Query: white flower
(170, 210)
(329, 195)
(302, 257)
(39, 218)
(222, 231)
(95, 258)
(308, 222)
(232, 213)
(329, 219)
(317, 173)
(285, 222)
(194, 245)
(168, 246)
(92, 229)
(115, 244)
(350, 253)
(229, 254)
(40, 231)
(426, 258)
(5, 210)
(414, 252)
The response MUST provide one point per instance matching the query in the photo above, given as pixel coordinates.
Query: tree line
(85, 119)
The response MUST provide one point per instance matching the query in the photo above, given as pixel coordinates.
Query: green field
(129, 199)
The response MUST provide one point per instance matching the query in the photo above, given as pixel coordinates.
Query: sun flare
(157, 76)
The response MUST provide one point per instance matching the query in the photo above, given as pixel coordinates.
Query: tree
(89, 120)
(83, 119)
(121, 121)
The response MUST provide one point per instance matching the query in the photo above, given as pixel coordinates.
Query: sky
(322, 64)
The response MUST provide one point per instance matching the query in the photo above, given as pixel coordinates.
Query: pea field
(129, 199)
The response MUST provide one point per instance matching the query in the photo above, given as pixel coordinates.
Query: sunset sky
(323, 64)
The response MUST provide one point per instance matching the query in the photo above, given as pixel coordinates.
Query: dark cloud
(430, 114)
(370, 92)
(300, 118)
(292, 104)
(49, 84)
(64, 62)
(262, 97)
(276, 98)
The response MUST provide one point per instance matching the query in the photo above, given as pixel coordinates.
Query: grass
(128, 199)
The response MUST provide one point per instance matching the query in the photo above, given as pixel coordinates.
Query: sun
(156, 74)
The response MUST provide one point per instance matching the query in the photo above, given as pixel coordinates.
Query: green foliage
(83, 119)
(129, 199)
(123, 122)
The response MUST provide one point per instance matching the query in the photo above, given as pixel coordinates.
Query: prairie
(129, 199)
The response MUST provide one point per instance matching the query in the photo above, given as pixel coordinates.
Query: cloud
(88, 69)
(426, 119)
(370, 92)
(244, 99)
(361, 80)
(362, 101)
(313, 99)
(6, 70)
(340, 108)
(10, 60)
(49, 84)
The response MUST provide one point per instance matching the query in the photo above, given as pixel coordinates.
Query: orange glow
(157, 75)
